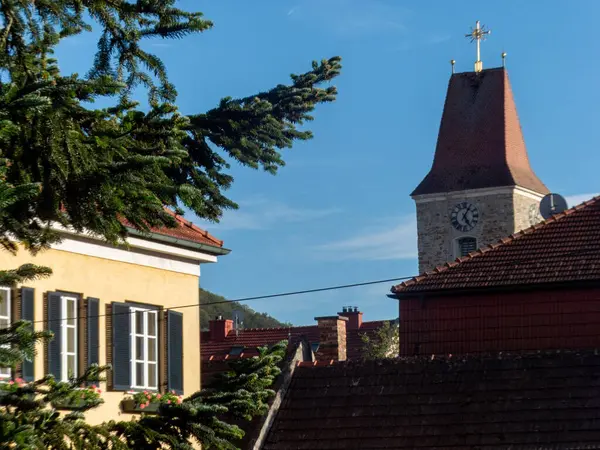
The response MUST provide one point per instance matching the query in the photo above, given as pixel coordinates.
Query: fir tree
(240, 393)
(383, 342)
(64, 161)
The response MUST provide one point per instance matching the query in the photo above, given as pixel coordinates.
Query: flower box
(131, 406)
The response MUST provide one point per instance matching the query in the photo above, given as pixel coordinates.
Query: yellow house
(112, 305)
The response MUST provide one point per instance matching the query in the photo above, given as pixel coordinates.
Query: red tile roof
(257, 337)
(527, 402)
(185, 230)
(564, 248)
(251, 338)
(480, 143)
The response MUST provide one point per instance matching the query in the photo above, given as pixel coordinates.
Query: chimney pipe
(219, 328)
(354, 317)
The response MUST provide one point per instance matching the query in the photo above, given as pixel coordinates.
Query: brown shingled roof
(564, 248)
(480, 142)
(531, 402)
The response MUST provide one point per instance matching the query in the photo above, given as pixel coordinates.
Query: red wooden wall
(503, 321)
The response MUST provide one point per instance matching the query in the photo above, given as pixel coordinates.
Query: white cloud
(388, 240)
(261, 213)
(391, 239)
(351, 18)
(574, 200)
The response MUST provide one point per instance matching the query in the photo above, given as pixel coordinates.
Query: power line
(307, 291)
(245, 299)
(324, 289)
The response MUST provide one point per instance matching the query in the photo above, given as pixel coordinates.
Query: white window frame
(457, 252)
(64, 325)
(147, 314)
(6, 372)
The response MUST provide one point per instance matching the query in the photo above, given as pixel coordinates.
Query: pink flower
(147, 403)
(146, 392)
(94, 386)
(11, 382)
(19, 380)
(178, 400)
(99, 391)
(142, 406)
(148, 397)
(158, 396)
(168, 402)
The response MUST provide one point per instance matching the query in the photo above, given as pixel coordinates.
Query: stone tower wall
(502, 212)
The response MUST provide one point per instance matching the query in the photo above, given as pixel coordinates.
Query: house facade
(117, 305)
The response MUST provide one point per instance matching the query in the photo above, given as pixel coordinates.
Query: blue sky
(340, 211)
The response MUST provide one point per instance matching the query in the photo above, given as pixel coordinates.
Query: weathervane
(478, 34)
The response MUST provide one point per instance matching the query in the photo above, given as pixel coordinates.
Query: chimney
(219, 328)
(332, 341)
(354, 317)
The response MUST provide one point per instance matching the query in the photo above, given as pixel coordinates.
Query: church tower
(481, 186)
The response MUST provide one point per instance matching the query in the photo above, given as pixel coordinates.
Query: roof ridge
(502, 241)
(276, 328)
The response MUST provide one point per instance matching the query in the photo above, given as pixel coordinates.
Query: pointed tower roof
(480, 142)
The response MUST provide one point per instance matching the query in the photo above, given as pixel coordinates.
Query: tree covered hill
(252, 319)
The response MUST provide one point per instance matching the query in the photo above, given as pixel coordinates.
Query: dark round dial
(464, 216)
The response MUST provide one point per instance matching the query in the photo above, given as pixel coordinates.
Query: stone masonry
(501, 213)
(332, 342)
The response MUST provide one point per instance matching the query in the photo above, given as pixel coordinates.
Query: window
(5, 372)
(465, 245)
(236, 350)
(136, 332)
(73, 320)
(68, 345)
(144, 346)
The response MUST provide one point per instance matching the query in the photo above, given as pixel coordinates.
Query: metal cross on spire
(478, 34)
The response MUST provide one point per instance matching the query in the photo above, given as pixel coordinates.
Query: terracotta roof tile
(564, 248)
(528, 402)
(185, 230)
(480, 142)
(250, 338)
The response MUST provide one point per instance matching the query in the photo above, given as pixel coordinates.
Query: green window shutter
(54, 325)
(121, 347)
(175, 352)
(27, 313)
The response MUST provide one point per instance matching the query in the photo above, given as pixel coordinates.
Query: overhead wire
(245, 299)
(322, 289)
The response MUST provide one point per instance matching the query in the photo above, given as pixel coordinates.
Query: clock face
(534, 214)
(464, 217)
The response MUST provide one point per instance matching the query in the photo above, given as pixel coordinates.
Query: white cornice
(425, 198)
(134, 250)
(102, 250)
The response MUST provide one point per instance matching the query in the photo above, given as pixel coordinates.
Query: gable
(564, 248)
